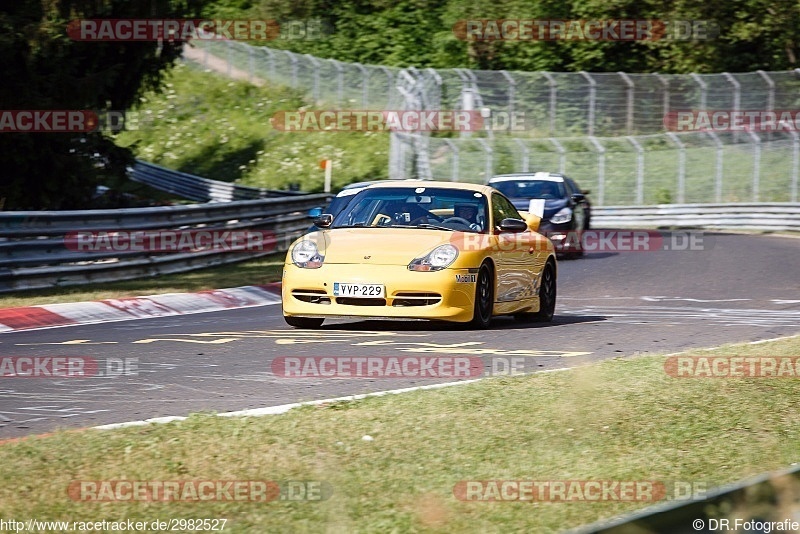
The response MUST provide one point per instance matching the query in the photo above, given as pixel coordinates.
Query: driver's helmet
(466, 211)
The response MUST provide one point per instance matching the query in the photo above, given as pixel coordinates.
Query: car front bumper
(444, 295)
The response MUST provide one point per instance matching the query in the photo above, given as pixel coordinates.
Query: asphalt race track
(739, 288)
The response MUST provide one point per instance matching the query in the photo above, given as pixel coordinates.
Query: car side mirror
(314, 212)
(578, 197)
(324, 220)
(513, 225)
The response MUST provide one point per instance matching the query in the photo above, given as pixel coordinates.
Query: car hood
(378, 246)
(551, 206)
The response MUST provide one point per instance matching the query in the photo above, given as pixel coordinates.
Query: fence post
(512, 85)
(639, 170)
(681, 167)
(315, 92)
(770, 94)
(703, 89)
(390, 85)
(271, 53)
(293, 59)
(228, 47)
(756, 164)
(665, 82)
(737, 96)
(339, 83)
(601, 170)
(489, 158)
(562, 154)
(364, 90)
(433, 101)
(592, 99)
(718, 178)
(629, 110)
(795, 164)
(251, 63)
(553, 100)
(454, 151)
(525, 154)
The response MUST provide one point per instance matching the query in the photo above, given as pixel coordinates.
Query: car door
(518, 257)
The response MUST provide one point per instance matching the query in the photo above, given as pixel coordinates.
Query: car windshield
(546, 189)
(416, 207)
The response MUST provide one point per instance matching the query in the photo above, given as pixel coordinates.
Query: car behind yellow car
(422, 249)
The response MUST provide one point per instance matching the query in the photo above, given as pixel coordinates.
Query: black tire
(484, 298)
(547, 295)
(303, 322)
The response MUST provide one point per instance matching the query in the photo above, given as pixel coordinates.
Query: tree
(43, 69)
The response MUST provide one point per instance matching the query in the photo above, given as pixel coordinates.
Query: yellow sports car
(422, 249)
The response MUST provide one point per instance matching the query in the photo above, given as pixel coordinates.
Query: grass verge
(254, 272)
(621, 419)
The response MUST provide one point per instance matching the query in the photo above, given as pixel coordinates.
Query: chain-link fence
(607, 130)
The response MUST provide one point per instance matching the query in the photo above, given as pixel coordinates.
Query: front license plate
(358, 290)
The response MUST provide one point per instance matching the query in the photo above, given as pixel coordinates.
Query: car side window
(571, 187)
(502, 208)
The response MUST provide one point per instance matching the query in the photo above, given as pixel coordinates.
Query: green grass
(214, 127)
(254, 272)
(621, 419)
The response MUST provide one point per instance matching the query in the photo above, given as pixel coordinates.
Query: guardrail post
(489, 158)
(454, 151)
(681, 167)
(592, 99)
(718, 178)
(525, 154)
(639, 170)
(553, 100)
(756, 164)
(629, 108)
(562, 154)
(601, 170)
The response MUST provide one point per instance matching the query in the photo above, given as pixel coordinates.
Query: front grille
(312, 296)
(360, 302)
(403, 299)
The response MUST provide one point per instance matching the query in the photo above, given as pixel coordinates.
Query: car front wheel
(484, 298)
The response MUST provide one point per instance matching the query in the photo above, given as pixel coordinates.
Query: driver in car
(468, 212)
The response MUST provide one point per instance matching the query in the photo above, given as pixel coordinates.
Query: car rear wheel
(547, 298)
(303, 322)
(484, 298)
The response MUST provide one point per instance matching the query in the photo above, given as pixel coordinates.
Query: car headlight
(564, 215)
(437, 259)
(305, 254)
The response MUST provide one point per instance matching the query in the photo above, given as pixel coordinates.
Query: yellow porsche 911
(425, 250)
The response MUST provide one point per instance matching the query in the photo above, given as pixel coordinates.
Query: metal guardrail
(34, 252)
(766, 497)
(197, 188)
(759, 216)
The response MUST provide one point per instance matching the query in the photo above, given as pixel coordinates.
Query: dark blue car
(567, 210)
